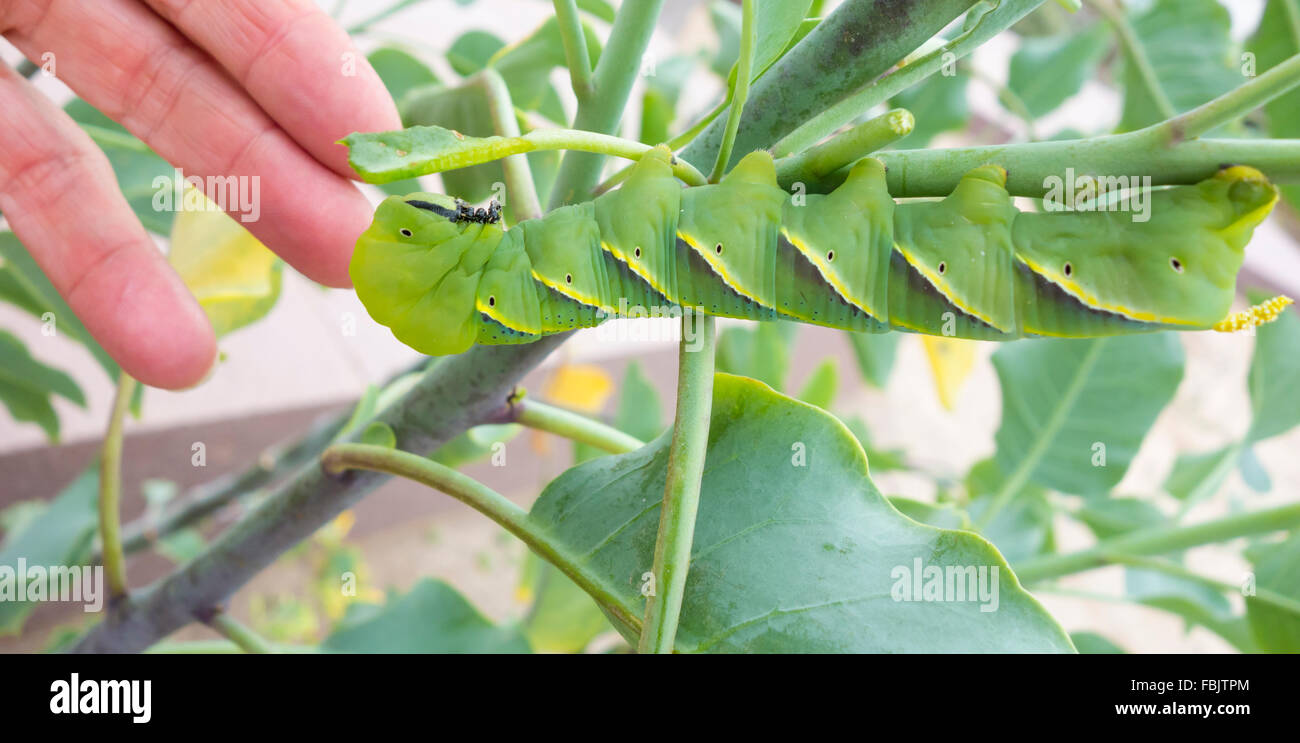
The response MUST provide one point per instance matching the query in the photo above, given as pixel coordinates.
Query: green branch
(987, 24)
(845, 148)
(740, 90)
(110, 491)
(575, 49)
(570, 425)
(1235, 103)
(1159, 540)
(612, 80)
(686, 455)
(343, 457)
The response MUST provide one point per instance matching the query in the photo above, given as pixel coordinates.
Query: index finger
(298, 65)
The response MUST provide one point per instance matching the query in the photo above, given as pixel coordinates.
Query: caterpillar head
(1173, 262)
(417, 269)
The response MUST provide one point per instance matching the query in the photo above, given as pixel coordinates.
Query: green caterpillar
(444, 276)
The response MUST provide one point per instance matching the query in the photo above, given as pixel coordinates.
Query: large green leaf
(400, 70)
(60, 535)
(27, 386)
(1021, 530)
(794, 549)
(1190, 52)
(1277, 568)
(1276, 40)
(432, 618)
(1047, 70)
(1074, 412)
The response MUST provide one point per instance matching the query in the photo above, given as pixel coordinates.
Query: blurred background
(931, 410)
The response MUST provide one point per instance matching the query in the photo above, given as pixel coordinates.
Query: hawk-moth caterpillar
(444, 276)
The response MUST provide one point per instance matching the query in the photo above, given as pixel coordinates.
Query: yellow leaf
(581, 387)
(235, 278)
(951, 361)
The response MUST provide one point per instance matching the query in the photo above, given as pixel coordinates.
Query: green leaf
(1275, 377)
(471, 51)
(938, 104)
(1196, 477)
(640, 411)
(27, 386)
(1091, 643)
(1190, 51)
(401, 71)
(1276, 40)
(875, 354)
(1277, 568)
(379, 434)
(61, 535)
(819, 390)
(1047, 70)
(182, 545)
(880, 460)
(786, 558)
(432, 618)
(759, 352)
(234, 276)
(1076, 411)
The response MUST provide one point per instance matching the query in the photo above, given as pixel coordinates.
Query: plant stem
(1044, 438)
(686, 455)
(1137, 56)
(450, 396)
(874, 92)
(1262, 595)
(630, 149)
(854, 45)
(519, 176)
(244, 638)
(634, 23)
(1159, 540)
(1235, 103)
(740, 93)
(847, 147)
(570, 425)
(342, 457)
(575, 49)
(110, 491)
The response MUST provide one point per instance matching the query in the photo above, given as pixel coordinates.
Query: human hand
(216, 87)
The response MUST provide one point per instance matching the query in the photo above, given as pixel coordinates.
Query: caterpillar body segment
(970, 265)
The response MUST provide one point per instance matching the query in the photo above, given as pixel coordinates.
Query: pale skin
(216, 87)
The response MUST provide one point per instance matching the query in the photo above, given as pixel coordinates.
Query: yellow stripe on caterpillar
(1264, 312)
(827, 275)
(1090, 300)
(942, 287)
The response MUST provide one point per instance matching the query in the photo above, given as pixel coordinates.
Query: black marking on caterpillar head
(439, 210)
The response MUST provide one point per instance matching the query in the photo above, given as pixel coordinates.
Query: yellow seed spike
(1260, 314)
